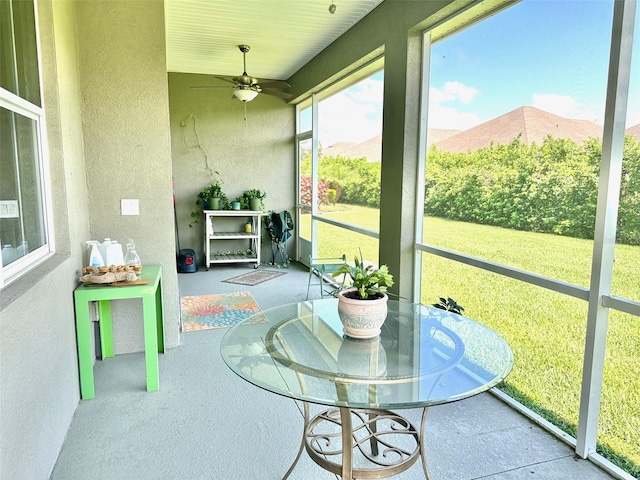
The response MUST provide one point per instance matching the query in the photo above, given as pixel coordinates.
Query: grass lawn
(545, 329)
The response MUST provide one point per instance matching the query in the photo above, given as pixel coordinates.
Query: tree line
(551, 187)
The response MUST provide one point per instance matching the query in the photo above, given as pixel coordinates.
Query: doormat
(203, 312)
(254, 278)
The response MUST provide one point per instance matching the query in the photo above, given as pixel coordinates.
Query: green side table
(151, 295)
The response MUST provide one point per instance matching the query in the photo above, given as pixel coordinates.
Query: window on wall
(24, 219)
(514, 139)
(620, 390)
(350, 152)
(627, 250)
(515, 130)
(340, 187)
(305, 192)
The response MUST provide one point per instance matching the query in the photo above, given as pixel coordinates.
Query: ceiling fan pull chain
(245, 114)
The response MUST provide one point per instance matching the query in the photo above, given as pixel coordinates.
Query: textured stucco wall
(125, 116)
(38, 362)
(258, 155)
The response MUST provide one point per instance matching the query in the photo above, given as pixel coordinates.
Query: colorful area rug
(255, 277)
(204, 312)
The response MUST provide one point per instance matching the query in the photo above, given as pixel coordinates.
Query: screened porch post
(605, 228)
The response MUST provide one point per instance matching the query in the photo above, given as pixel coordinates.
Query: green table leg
(151, 342)
(106, 328)
(85, 360)
(159, 317)
(151, 296)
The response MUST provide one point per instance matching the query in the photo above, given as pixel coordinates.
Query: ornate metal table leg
(304, 436)
(347, 444)
(373, 442)
(422, 447)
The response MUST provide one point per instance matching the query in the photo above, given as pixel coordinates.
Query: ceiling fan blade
(276, 93)
(213, 86)
(226, 79)
(275, 84)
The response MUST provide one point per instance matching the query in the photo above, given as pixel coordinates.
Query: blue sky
(550, 54)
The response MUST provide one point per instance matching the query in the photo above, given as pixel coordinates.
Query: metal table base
(361, 443)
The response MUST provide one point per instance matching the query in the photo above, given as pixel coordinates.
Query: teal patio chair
(322, 267)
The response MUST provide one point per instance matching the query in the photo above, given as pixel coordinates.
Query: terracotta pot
(362, 318)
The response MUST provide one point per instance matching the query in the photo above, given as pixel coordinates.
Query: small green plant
(204, 196)
(240, 253)
(367, 279)
(450, 305)
(212, 191)
(248, 195)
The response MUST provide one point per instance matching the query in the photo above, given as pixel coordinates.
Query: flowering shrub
(305, 190)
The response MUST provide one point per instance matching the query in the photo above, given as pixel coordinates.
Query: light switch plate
(9, 209)
(130, 206)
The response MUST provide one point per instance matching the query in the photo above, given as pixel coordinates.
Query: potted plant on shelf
(210, 197)
(252, 199)
(213, 196)
(362, 306)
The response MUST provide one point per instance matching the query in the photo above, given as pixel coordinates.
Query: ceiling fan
(247, 88)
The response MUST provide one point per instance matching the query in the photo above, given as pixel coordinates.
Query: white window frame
(16, 104)
(598, 295)
(359, 73)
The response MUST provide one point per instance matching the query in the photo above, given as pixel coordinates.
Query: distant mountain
(633, 131)
(372, 149)
(533, 125)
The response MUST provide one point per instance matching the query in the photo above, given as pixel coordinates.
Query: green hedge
(549, 188)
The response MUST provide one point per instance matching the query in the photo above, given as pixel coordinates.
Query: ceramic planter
(362, 318)
(255, 204)
(214, 203)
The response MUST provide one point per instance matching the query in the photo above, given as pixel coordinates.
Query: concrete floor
(207, 423)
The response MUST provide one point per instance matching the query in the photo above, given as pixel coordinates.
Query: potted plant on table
(362, 306)
(252, 199)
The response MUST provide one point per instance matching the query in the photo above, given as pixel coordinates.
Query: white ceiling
(203, 35)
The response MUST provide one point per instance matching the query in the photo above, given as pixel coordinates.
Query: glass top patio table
(424, 356)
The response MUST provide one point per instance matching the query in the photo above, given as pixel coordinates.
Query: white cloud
(452, 92)
(633, 112)
(461, 92)
(568, 107)
(366, 90)
(353, 115)
(442, 115)
(437, 95)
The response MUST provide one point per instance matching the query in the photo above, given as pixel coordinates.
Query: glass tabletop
(424, 356)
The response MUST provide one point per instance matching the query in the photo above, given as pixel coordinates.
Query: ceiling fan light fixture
(245, 94)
